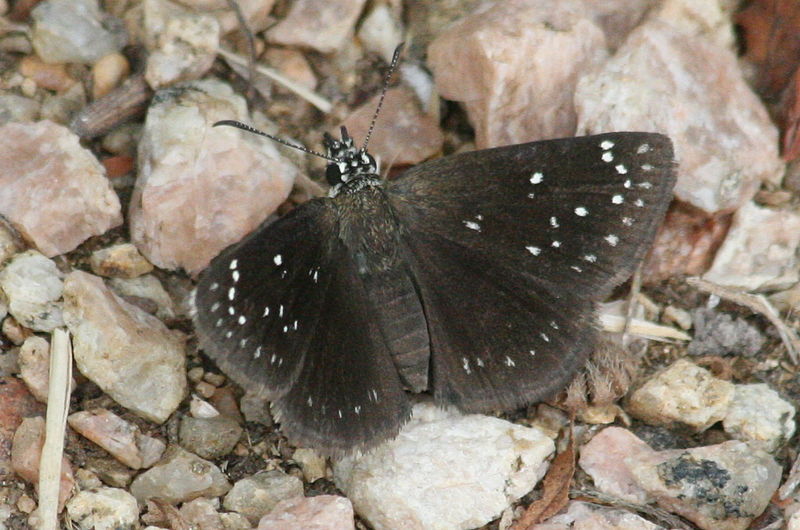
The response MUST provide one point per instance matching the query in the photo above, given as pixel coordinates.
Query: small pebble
(206, 390)
(682, 393)
(759, 416)
(680, 317)
(47, 76)
(108, 73)
(103, 509)
(209, 438)
(313, 465)
(215, 379)
(257, 495)
(119, 261)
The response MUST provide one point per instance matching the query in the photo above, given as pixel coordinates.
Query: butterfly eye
(333, 174)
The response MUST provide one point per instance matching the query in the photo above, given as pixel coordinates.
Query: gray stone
(186, 208)
(131, 355)
(257, 495)
(33, 286)
(209, 438)
(682, 393)
(180, 476)
(75, 31)
(104, 509)
(718, 333)
(760, 417)
(14, 107)
(444, 471)
(149, 288)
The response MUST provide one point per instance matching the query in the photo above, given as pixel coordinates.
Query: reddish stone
(16, 403)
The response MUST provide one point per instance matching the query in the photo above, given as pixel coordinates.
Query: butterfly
(474, 276)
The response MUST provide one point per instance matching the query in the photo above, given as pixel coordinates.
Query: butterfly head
(349, 161)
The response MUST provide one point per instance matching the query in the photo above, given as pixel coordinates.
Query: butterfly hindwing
(348, 393)
(512, 247)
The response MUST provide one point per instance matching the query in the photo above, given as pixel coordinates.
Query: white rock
(760, 417)
(182, 43)
(444, 471)
(760, 250)
(104, 509)
(200, 188)
(323, 26)
(128, 353)
(682, 393)
(33, 286)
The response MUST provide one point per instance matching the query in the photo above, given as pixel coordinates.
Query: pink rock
(200, 188)
(16, 403)
(323, 25)
(123, 440)
(515, 65)
(27, 451)
(604, 457)
(323, 512)
(403, 134)
(760, 250)
(668, 80)
(53, 190)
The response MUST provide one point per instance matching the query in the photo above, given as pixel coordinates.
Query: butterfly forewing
(528, 251)
(258, 301)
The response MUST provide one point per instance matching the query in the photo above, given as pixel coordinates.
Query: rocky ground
(116, 192)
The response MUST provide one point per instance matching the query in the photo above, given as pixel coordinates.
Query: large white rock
(444, 471)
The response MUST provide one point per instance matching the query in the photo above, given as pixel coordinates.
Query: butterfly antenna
(245, 127)
(392, 66)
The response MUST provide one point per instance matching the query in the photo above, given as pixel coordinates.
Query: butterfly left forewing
(527, 237)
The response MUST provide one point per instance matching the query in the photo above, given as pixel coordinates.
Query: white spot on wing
(242, 320)
(556, 244)
(534, 250)
(537, 178)
(642, 149)
(213, 287)
(257, 353)
(234, 264)
(612, 240)
(510, 362)
(231, 293)
(606, 145)
(235, 276)
(627, 221)
(214, 306)
(465, 362)
(266, 311)
(278, 259)
(591, 258)
(608, 156)
(580, 211)
(554, 222)
(621, 169)
(544, 337)
(472, 225)
(617, 199)
(647, 167)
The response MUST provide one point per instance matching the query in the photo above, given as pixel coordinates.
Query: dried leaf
(556, 489)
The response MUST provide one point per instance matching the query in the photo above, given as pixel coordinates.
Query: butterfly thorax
(351, 169)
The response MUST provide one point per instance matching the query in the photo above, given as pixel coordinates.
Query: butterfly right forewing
(512, 247)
